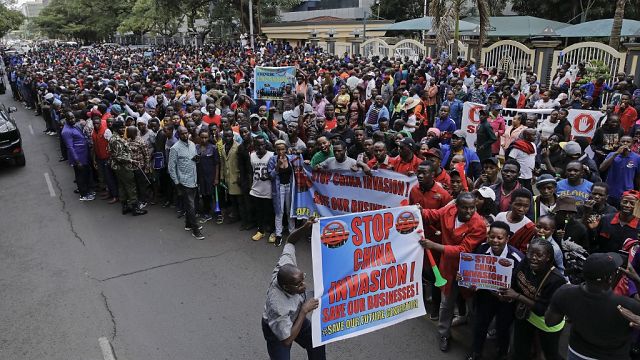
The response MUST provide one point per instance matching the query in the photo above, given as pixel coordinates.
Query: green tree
(446, 15)
(9, 20)
(83, 20)
(574, 11)
(146, 16)
(390, 9)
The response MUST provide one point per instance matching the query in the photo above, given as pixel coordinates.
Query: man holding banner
(284, 319)
(463, 229)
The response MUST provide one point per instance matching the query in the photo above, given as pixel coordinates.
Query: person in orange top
(435, 156)
(462, 230)
(428, 193)
(407, 162)
(628, 114)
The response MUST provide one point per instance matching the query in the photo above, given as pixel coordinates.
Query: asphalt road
(73, 272)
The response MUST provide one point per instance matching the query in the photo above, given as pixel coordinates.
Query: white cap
(487, 193)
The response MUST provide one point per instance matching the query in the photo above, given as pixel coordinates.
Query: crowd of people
(179, 127)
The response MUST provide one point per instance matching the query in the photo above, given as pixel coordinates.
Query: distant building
(32, 8)
(342, 9)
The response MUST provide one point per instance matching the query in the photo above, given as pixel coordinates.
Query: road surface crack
(165, 265)
(64, 207)
(114, 329)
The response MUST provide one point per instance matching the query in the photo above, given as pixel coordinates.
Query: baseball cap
(562, 96)
(572, 148)
(545, 179)
(487, 193)
(598, 266)
(434, 152)
(492, 160)
(408, 142)
(460, 134)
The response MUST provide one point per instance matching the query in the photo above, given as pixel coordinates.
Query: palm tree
(616, 27)
(445, 16)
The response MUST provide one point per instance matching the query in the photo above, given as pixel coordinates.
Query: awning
(423, 23)
(515, 26)
(600, 28)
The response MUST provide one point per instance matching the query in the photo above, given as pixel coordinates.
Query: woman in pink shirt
(498, 124)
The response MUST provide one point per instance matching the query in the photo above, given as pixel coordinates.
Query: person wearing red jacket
(100, 138)
(462, 230)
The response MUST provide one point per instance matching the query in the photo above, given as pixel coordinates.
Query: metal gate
(375, 47)
(409, 48)
(508, 55)
(588, 52)
(463, 49)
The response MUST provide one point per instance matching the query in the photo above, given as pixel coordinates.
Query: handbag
(522, 310)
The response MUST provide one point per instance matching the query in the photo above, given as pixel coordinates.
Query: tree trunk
(616, 27)
(483, 14)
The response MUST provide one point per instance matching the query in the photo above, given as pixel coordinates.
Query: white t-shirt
(260, 188)
(540, 104)
(546, 128)
(527, 162)
(513, 226)
(332, 164)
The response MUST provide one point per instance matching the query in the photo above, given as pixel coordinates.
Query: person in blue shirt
(445, 125)
(623, 170)
(459, 147)
(455, 108)
(575, 185)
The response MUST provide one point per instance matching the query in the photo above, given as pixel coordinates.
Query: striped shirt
(182, 168)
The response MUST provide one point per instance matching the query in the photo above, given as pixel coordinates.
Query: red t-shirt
(330, 124)
(405, 167)
(434, 198)
(212, 119)
(444, 179)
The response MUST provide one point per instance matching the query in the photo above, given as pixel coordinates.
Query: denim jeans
(285, 209)
(277, 351)
(188, 196)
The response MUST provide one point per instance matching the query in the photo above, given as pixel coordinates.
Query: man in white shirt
(524, 152)
(261, 189)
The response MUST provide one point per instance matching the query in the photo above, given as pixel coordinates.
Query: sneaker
(434, 316)
(220, 220)
(257, 236)
(278, 242)
(142, 205)
(87, 198)
(272, 238)
(492, 334)
(190, 228)
(205, 218)
(180, 214)
(198, 235)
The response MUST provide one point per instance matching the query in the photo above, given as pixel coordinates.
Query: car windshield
(5, 124)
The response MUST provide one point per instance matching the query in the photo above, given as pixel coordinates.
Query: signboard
(367, 272)
(583, 122)
(482, 271)
(330, 193)
(271, 81)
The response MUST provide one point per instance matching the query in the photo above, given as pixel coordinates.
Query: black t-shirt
(598, 330)
(526, 282)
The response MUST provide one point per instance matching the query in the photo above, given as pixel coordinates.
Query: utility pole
(364, 26)
(424, 15)
(251, 23)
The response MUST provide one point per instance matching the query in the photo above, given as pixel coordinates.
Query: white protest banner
(329, 193)
(367, 272)
(583, 122)
(482, 271)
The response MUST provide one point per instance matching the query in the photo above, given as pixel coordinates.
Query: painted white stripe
(49, 185)
(31, 129)
(107, 351)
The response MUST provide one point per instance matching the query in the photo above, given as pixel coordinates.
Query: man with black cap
(406, 162)
(458, 147)
(544, 203)
(439, 175)
(490, 173)
(598, 329)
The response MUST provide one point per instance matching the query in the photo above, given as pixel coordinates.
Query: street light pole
(251, 22)
(364, 25)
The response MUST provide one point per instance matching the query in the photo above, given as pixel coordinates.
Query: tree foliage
(574, 10)
(83, 20)
(146, 16)
(399, 10)
(9, 20)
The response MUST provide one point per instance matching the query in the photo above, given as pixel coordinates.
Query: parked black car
(10, 139)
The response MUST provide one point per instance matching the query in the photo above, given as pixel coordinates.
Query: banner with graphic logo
(271, 81)
(336, 192)
(367, 272)
(583, 122)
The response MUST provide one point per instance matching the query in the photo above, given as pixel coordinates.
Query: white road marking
(31, 129)
(107, 351)
(49, 185)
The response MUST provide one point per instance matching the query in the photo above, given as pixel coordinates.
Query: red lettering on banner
(333, 313)
(346, 180)
(320, 176)
(472, 114)
(380, 224)
(340, 204)
(471, 129)
(320, 199)
(383, 184)
(372, 256)
(360, 284)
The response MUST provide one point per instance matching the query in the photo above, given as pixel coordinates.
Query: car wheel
(20, 160)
